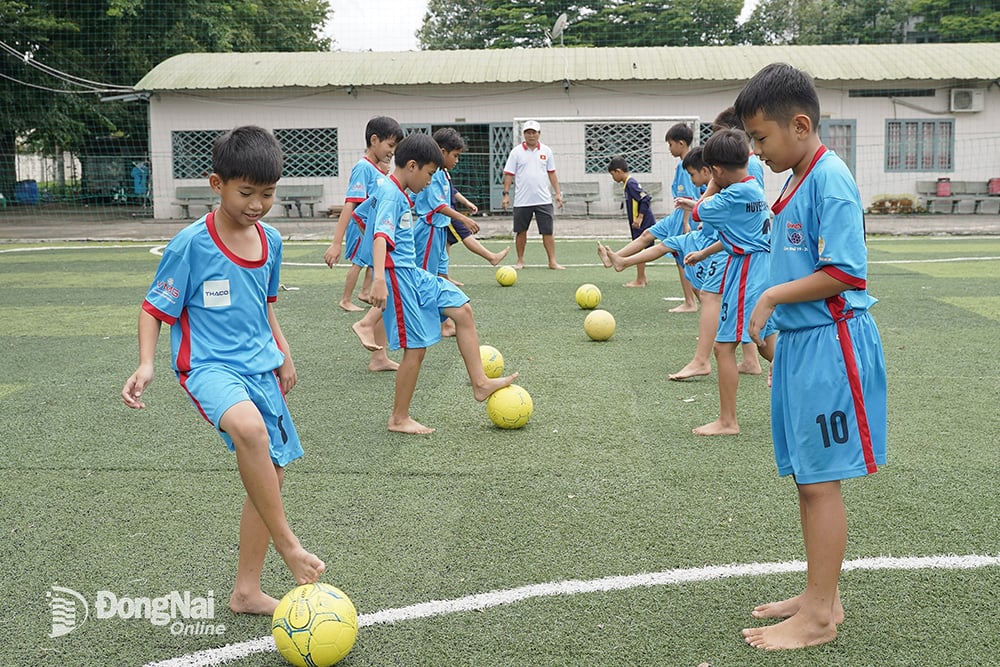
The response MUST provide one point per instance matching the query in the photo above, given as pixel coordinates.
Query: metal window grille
(919, 145)
(633, 141)
(704, 132)
(309, 151)
(192, 152)
(838, 135)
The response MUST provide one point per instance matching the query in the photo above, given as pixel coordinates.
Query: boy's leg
(824, 527)
(689, 305)
(750, 365)
(468, 347)
(729, 378)
(708, 322)
(349, 284)
(621, 262)
(640, 276)
(366, 329)
(366, 286)
(406, 383)
(379, 360)
(245, 425)
(631, 248)
(494, 258)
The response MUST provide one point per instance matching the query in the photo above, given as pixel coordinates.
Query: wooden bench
(966, 197)
(297, 195)
(195, 195)
(588, 191)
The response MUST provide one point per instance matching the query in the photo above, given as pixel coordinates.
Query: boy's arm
(287, 377)
(461, 199)
(696, 256)
(332, 254)
(380, 291)
(149, 334)
(464, 219)
(816, 286)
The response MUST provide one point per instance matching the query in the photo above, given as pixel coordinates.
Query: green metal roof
(882, 62)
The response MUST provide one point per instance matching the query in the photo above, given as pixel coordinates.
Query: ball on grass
(510, 407)
(506, 275)
(314, 625)
(492, 361)
(599, 325)
(588, 296)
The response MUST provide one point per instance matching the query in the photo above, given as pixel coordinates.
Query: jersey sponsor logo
(406, 221)
(166, 289)
(756, 206)
(216, 293)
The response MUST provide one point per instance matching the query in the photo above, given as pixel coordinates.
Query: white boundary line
(231, 652)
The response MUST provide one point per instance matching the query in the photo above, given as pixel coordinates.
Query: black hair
(618, 162)
(384, 128)
(248, 152)
(729, 149)
(694, 160)
(779, 92)
(680, 132)
(449, 139)
(420, 148)
(727, 119)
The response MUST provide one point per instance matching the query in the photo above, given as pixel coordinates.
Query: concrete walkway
(31, 225)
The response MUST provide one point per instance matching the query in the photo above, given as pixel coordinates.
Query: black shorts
(457, 231)
(543, 218)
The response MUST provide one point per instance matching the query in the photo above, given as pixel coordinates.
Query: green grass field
(606, 480)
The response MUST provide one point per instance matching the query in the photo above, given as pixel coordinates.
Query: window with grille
(309, 151)
(704, 132)
(919, 145)
(192, 152)
(633, 141)
(838, 135)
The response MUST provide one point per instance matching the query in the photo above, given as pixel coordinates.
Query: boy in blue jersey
(828, 397)
(679, 138)
(637, 209)
(740, 217)
(215, 287)
(416, 301)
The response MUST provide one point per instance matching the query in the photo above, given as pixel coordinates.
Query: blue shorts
(828, 415)
(746, 276)
(706, 275)
(672, 225)
(352, 242)
(415, 308)
(216, 388)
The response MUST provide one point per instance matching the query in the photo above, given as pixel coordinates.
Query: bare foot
(717, 428)
(382, 363)
(602, 252)
(366, 297)
(519, 265)
(749, 368)
(448, 328)
(790, 607)
(692, 370)
(795, 632)
(252, 603)
(497, 257)
(366, 335)
(684, 308)
(557, 267)
(349, 307)
(635, 283)
(483, 391)
(305, 567)
(409, 425)
(615, 259)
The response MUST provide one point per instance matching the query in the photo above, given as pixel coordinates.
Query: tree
(827, 22)
(959, 20)
(112, 44)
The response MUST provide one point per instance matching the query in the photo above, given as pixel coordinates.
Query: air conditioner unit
(967, 99)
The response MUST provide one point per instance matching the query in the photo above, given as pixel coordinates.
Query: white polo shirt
(531, 169)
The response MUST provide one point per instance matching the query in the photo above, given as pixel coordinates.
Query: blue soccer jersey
(216, 302)
(756, 169)
(431, 227)
(739, 214)
(393, 220)
(819, 226)
(683, 186)
(366, 178)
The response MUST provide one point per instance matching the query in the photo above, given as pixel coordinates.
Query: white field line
(232, 652)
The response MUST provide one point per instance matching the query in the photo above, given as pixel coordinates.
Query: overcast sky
(390, 25)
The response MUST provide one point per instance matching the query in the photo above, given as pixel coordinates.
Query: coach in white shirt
(532, 169)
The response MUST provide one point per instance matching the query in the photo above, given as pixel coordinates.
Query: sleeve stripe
(158, 314)
(853, 281)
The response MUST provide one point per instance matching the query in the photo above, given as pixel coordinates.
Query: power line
(90, 86)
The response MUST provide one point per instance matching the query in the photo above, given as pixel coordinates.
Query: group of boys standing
(218, 279)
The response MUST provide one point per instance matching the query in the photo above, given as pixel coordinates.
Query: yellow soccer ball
(588, 296)
(506, 275)
(492, 361)
(315, 625)
(599, 325)
(509, 407)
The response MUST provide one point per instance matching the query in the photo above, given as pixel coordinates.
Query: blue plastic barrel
(26, 192)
